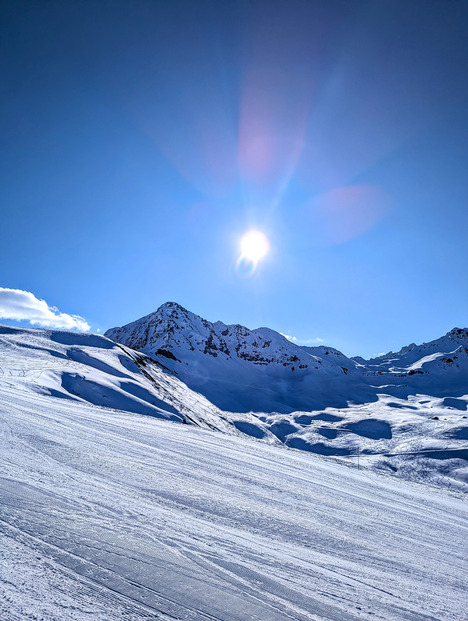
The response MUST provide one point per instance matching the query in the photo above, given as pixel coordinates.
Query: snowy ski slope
(113, 515)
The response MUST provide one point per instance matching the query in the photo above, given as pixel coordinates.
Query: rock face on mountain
(260, 370)
(173, 330)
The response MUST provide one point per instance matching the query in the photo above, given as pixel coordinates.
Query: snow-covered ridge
(260, 370)
(173, 328)
(454, 344)
(89, 368)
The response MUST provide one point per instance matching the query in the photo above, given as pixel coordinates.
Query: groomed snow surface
(113, 515)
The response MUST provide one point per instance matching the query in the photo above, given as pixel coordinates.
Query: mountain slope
(90, 368)
(109, 515)
(238, 369)
(439, 367)
(403, 412)
(419, 437)
(259, 370)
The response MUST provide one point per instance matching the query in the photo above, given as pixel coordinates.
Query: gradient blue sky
(140, 140)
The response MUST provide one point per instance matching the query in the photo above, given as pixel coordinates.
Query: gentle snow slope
(110, 515)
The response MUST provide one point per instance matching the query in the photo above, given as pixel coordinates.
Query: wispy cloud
(293, 339)
(24, 306)
(308, 342)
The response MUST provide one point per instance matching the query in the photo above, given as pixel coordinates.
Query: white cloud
(293, 339)
(316, 341)
(24, 306)
(296, 341)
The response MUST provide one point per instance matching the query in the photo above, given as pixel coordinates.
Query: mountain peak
(218, 359)
(171, 306)
(239, 369)
(458, 333)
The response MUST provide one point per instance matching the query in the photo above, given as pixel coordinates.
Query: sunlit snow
(111, 514)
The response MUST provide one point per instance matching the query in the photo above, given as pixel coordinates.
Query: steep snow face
(236, 368)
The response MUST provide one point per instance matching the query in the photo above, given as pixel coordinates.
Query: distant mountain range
(242, 370)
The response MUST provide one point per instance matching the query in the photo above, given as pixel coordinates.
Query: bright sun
(254, 246)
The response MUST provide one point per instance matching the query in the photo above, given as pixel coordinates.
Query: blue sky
(141, 140)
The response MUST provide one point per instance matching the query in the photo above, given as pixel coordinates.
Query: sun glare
(254, 246)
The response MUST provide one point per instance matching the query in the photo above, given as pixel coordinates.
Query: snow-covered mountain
(417, 436)
(439, 366)
(260, 370)
(421, 435)
(239, 369)
(174, 331)
(403, 412)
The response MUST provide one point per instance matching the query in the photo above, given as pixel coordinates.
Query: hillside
(420, 437)
(111, 515)
(259, 370)
(92, 369)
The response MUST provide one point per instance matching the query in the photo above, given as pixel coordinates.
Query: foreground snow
(112, 515)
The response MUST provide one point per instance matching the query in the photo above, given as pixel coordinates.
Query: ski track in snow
(109, 515)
